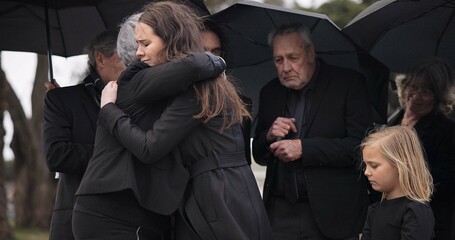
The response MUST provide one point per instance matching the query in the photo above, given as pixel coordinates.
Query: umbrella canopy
(245, 27)
(72, 23)
(399, 33)
(64, 27)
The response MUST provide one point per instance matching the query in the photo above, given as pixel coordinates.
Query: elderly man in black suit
(70, 115)
(309, 124)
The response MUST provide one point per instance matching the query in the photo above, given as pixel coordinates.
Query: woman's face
(419, 100)
(149, 44)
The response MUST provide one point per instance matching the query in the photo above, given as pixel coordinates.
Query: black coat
(113, 168)
(335, 124)
(222, 186)
(68, 134)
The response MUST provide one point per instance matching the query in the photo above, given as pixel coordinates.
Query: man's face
(109, 68)
(211, 42)
(295, 65)
(150, 45)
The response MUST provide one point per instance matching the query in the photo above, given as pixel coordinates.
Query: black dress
(399, 218)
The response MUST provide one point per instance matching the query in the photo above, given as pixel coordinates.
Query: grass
(31, 234)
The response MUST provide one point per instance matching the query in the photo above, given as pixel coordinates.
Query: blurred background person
(426, 96)
(212, 40)
(70, 115)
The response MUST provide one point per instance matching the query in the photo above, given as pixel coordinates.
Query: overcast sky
(20, 70)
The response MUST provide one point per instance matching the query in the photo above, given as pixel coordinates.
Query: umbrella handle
(49, 45)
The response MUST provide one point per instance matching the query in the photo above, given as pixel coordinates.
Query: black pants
(287, 225)
(91, 225)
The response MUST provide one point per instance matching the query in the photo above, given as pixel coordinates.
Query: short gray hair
(104, 43)
(126, 43)
(285, 29)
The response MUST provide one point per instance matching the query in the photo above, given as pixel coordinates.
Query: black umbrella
(63, 27)
(245, 27)
(401, 32)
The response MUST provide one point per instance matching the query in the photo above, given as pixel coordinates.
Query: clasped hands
(286, 150)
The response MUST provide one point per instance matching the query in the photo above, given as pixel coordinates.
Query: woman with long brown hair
(222, 199)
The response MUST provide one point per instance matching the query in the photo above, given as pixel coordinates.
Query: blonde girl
(395, 166)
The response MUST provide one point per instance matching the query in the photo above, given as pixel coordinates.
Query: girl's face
(149, 44)
(382, 175)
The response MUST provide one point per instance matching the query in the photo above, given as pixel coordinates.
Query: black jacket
(335, 123)
(113, 168)
(68, 134)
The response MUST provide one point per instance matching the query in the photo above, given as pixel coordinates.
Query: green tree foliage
(275, 2)
(340, 11)
(368, 2)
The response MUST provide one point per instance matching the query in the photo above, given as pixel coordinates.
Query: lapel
(316, 97)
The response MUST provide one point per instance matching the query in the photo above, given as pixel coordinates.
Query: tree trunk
(48, 183)
(35, 189)
(6, 231)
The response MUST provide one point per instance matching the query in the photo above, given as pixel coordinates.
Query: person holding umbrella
(68, 132)
(426, 96)
(311, 120)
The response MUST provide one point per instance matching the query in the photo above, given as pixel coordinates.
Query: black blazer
(68, 133)
(113, 168)
(335, 124)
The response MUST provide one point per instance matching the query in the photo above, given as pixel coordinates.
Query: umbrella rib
(444, 30)
(395, 24)
(245, 37)
(16, 7)
(101, 16)
(421, 14)
(270, 17)
(61, 31)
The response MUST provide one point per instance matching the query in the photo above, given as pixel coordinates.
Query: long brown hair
(179, 28)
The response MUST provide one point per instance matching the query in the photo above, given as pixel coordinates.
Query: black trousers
(91, 225)
(287, 225)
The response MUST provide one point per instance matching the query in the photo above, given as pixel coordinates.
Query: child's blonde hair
(401, 146)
